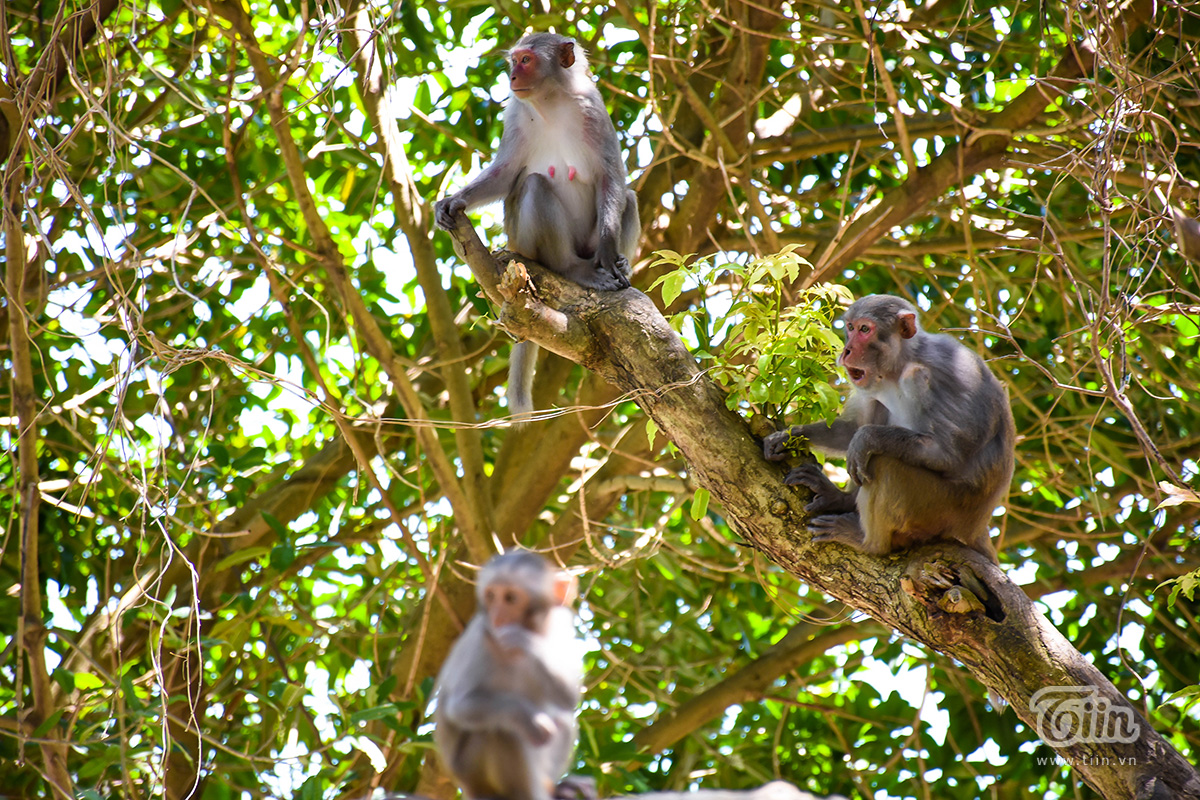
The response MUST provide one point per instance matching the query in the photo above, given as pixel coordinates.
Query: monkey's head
(542, 62)
(877, 328)
(519, 588)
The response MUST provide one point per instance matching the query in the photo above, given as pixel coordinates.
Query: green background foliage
(261, 383)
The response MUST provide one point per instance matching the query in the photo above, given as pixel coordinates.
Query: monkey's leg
(907, 505)
(540, 226)
(522, 362)
(501, 766)
(615, 254)
(827, 497)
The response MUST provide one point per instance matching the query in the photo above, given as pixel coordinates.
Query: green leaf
(85, 681)
(374, 713)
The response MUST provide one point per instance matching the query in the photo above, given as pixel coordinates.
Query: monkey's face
(524, 73)
(506, 604)
(860, 357)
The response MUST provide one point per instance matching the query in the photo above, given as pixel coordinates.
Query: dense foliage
(255, 413)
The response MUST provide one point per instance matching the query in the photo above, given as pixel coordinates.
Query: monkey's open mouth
(856, 375)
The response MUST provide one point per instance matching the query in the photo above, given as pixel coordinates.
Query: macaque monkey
(560, 172)
(507, 694)
(927, 433)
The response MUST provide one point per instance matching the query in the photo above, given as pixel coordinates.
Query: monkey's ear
(908, 324)
(564, 588)
(566, 54)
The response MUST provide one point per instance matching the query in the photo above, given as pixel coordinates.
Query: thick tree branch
(802, 644)
(31, 626)
(949, 598)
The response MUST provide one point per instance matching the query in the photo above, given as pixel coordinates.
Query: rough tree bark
(946, 597)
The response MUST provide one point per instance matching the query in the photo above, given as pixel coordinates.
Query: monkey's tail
(521, 364)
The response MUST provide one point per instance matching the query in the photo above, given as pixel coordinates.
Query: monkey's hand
(514, 640)
(576, 787)
(540, 728)
(446, 209)
(858, 461)
(781, 444)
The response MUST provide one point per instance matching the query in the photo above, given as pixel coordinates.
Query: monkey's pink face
(506, 605)
(522, 77)
(855, 357)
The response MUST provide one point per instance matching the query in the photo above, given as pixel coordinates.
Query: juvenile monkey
(927, 433)
(505, 719)
(560, 172)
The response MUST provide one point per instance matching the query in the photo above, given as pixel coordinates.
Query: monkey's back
(972, 413)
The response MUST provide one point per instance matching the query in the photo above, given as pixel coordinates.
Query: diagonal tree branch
(951, 599)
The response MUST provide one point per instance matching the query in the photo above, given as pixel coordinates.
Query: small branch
(413, 218)
(983, 149)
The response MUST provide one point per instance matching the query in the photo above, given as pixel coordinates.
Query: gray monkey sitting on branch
(560, 173)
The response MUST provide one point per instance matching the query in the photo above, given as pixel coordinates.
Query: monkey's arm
(912, 447)
(487, 710)
(494, 183)
(549, 662)
(834, 438)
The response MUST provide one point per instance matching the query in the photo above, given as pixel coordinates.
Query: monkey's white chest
(558, 149)
(903, 408)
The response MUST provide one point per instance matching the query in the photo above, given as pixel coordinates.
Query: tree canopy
(256, 422)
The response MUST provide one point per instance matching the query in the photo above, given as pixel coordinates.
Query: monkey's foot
(576, 787)
(844, 528)
(608, 281)
(621, 271)
(827, 497)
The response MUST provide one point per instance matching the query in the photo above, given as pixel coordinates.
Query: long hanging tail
(521, 364)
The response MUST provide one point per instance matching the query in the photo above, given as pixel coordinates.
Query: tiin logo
(1067, 715)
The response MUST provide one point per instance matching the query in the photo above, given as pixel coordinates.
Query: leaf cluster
(773, 350)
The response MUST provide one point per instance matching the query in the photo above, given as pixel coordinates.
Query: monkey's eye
(511, 597)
